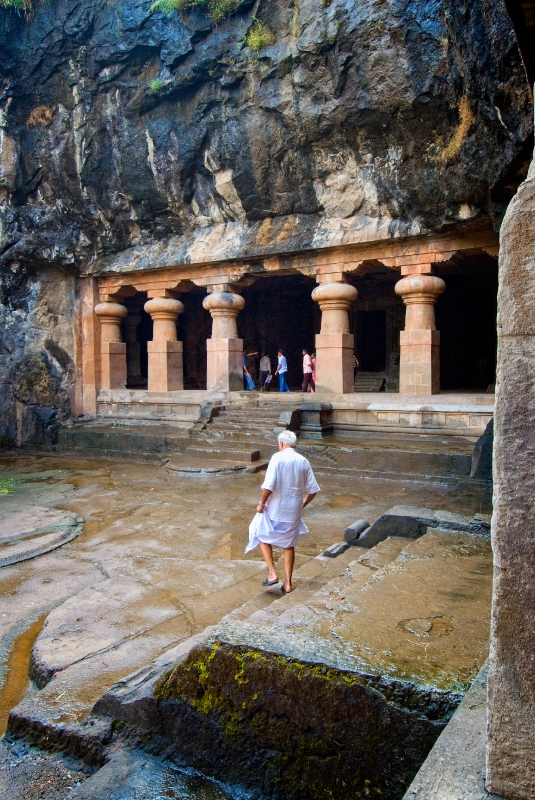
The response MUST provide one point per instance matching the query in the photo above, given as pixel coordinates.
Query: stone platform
(231, 427)
(356, 672)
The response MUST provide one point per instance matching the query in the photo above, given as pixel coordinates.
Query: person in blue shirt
(282, 369)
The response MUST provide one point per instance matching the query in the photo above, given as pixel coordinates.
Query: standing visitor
(265, 373)
(278, 520)
(313, 359)
(250, 363)
(248, 383)
(282, 369)
(307, 372)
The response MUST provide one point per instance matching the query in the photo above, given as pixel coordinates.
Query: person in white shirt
(288, 487)
(308, 379)
(265, 373)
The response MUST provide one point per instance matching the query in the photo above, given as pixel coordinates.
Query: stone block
(165, 366)
(352, 532)
(113, 365)
(316, 420)
(411, 522)
(336, 549)
(334, 362)
(289, 420)
(224, 365)
(482, 455)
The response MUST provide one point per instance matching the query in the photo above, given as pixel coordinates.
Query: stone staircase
(369, 381)
(389, 633)
(240, 437)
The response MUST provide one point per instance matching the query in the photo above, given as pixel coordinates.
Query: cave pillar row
(165, 353)
(419, 343)
(112, 348)
(334, 344)
(224, 350)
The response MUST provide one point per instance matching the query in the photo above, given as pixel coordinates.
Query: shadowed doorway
(279, 312)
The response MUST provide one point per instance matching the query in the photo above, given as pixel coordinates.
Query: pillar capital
(224, 308)
(164, 311)
(420, 288)
(111, 315)
(334, 299)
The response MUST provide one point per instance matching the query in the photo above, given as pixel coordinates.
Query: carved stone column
(133, 363)
(334, 344)
(112, 349)
(166, 372)
(224, 349)
(419, 359)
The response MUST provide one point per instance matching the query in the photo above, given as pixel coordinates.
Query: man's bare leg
(289, 560)
(267, 552)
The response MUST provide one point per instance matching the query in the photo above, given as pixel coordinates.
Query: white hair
(287, 437)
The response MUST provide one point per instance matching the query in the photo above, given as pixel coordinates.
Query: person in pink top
(307, 372)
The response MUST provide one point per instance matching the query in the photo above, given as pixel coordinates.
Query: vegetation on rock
(40, 115)
(466, 120)
(18, 5)
(156, 85)
(217, 10)
(259, 36)
(35, 384)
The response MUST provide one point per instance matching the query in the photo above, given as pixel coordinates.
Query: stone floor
(159, 559)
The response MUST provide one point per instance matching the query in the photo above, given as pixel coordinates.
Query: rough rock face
(279, 728)
(120, 127)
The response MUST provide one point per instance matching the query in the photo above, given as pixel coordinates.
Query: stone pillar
(224, 349)
(419, 352)
(112, 349)
(166, 370)
(334, 344)
(511, 698)
(133, 364)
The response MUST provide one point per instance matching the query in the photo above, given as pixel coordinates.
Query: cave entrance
(466, 319)
(371, 340)
(279, 312)
(136, 332)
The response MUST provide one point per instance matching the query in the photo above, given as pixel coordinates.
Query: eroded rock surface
(131, 139)
(340, 687)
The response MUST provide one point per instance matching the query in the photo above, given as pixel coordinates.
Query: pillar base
(224, 365)
(165, 366)
(334, 362)
(419, 362)
(113, 365)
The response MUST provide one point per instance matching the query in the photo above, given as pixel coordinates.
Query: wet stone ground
(159, 559)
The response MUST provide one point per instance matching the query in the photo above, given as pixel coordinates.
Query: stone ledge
(455, 767)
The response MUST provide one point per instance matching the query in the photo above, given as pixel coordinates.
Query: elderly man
(289, 478)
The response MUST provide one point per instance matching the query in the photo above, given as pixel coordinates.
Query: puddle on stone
(16, 678)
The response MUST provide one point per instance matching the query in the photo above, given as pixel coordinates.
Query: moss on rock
(291, 729)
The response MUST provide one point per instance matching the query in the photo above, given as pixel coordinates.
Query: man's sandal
(267, 582)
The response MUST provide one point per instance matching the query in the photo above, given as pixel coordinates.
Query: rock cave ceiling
(122, 127)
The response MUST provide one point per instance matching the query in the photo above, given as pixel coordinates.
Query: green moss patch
(217, 10)
(312, 731)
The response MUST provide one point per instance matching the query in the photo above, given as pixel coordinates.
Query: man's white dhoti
(289, 476)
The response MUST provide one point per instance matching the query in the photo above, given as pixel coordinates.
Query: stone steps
(369, 381)
(239, 454)
(370, 654)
